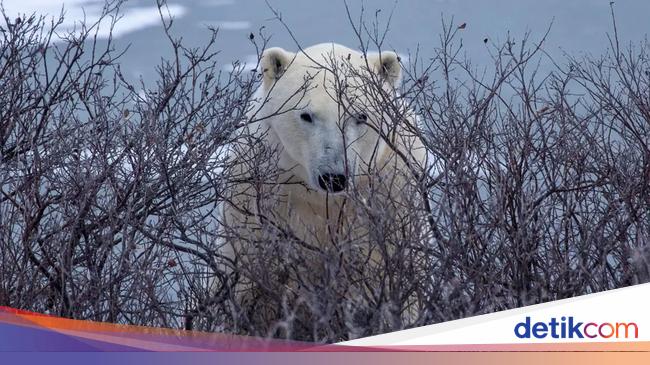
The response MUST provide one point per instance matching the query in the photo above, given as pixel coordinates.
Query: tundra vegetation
(537, 186)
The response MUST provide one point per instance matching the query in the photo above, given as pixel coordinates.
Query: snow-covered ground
(133, 18)
(579, 26)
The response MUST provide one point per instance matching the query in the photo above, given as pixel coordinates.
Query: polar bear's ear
(387, 65)
(273, 63)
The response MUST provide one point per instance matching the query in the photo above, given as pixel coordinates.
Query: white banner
(620, 315)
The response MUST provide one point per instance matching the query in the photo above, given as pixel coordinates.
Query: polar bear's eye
(306, 117)
(362, 118)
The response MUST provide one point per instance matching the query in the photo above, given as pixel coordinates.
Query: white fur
(333, 142)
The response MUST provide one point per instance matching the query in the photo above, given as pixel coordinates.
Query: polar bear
(329, 118)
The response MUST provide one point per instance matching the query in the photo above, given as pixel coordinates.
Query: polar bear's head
(323, 108)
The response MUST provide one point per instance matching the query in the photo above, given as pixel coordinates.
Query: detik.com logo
(568, 327)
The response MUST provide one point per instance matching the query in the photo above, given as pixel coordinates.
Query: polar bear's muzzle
(333, 183)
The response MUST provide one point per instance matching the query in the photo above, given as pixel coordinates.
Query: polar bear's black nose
(332, 182)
